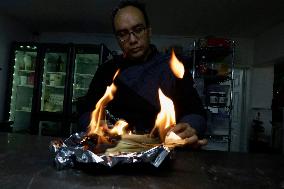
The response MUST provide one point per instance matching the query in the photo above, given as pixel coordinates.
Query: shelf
(61, 73)
(220, 132)
(214, 79)
(27, 71)
(84, 75)
(216, 145)
(216, 136)
(88, 63)
(59, 87)
(26, 111)
(213, 68)
(215, 110)
(83, 89)
(26, 86)
(212, 53)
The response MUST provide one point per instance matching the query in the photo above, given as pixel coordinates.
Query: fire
(176, 66)
(97, 125)
(98, 113)
(164, 121)
(119, 127)
(166, 118)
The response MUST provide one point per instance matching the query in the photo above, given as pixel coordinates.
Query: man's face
(132, 34)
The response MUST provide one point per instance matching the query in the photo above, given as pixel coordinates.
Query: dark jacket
(136, 99)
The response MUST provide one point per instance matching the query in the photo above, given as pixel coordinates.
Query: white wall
(81, 38)
(262, 86)
(261, 95)
(10, 31)
(109, 40)
(269, 48)
(244, 47)
(244, 52)
(269, 45)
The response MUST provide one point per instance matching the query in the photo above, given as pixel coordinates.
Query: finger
(185, 134)
(180, 127)
(199, 143)
(202, 142)
(191, 140)
(188, 132)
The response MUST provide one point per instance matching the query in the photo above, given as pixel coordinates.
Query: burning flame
(119, 127)
(164, 121)
(166, 118)
(97, 126)
(176, 66)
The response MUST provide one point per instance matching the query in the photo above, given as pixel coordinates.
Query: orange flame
(96, 125)
(119, 127)
(98, 113)
(176, 66)
(166, 117)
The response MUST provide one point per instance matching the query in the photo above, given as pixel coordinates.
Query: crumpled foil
(70, 151)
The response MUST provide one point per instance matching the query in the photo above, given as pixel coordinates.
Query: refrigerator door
(87, 60)
(51, 128)
(23, 77)
(53, 81)
(85, 67)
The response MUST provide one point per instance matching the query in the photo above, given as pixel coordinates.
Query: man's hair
(126, 3)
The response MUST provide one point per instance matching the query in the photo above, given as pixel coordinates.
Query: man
(142, 71)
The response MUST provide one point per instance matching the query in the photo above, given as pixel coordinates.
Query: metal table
(26, 162)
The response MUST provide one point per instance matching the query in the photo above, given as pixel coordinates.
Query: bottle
(27, 62)
(59, 64)
(203, 66)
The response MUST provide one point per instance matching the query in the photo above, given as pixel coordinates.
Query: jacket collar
(124, 62)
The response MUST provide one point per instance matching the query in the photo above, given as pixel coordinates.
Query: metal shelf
(215, 79)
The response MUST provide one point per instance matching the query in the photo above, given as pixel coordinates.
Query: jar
(213, 98)
(28, 62)
(222, 98)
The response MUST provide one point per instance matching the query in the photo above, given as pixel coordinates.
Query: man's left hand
(189, 135)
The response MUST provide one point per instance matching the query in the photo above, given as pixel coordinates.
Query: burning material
(166, 117)
(134, 143)
(69, 152)
(111, 144)
(96, 124)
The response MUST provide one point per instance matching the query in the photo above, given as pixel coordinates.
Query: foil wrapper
(70, 151)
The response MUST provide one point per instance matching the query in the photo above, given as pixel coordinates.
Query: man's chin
(136, 55)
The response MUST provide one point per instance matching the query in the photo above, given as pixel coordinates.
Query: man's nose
(132, 37)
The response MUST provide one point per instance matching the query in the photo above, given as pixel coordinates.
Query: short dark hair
(125, 3)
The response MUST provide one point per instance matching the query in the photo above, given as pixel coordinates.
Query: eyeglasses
(124, 35)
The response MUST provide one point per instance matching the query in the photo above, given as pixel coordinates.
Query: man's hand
(189, 135)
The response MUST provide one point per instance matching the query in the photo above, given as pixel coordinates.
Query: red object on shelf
(218, 42)
(31, 79)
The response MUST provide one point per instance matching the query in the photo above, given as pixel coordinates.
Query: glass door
(53, 82)
(85, 67)
(87, 60)
(50, 128)
(22, 86)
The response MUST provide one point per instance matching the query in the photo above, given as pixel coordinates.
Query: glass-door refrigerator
(66, 72)
(45, 81)
(21, 87)
(52, 90)
(87, 59)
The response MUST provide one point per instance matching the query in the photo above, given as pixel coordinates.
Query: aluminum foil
(70, 151)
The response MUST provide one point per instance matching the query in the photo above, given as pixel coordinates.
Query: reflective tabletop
(27, 162)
